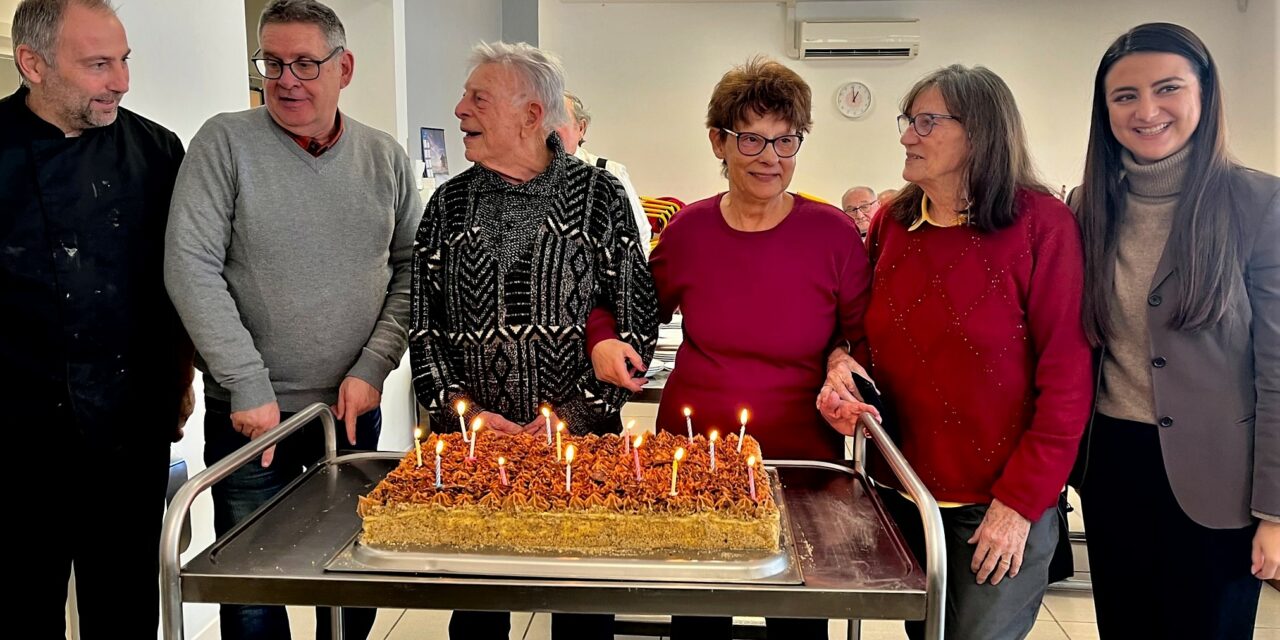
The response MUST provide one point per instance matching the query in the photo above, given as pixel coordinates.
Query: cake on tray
(604, 511)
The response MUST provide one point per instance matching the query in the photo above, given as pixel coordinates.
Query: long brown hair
(999, 163)
(1203, 242)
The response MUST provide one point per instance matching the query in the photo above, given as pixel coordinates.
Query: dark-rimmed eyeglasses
(753, 144)
(862, 209)
(302, 68)
(922, 122)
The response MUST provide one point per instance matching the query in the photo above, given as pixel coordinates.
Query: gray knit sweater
(291, 272)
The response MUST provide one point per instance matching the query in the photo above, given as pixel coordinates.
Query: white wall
(646, 70)
(438, 39)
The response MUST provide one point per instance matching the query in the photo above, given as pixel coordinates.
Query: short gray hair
(541, 71)
(861, 188)
(36, 24)
(580, 113)
(305, 12)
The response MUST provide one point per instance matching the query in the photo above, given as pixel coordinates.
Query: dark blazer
(1217, 392)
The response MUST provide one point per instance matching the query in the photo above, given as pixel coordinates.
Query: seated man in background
(573, 134)
(860, 204)
(512, 256)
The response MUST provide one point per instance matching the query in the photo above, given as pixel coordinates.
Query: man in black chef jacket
(96, 367)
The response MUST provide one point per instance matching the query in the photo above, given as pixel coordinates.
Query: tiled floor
(1064, 616)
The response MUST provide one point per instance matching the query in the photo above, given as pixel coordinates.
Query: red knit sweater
(977, 343)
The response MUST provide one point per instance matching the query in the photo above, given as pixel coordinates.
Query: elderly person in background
(573, 134)
(768, 282)
(1181, 472)
(885, 196)
(860, 204)
(976, 342)
(497, 300)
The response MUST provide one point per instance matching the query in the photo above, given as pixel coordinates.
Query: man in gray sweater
(288, 258)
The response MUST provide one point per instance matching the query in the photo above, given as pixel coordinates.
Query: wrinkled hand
(609, 358)
(499, 424)
(252, 423)
(1266, 551)
(186, 406)
(843, 415)
(1001, 540)
(539, 425)
(355, 398)
(840, 369)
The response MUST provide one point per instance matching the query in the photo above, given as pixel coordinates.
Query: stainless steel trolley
(852, 557)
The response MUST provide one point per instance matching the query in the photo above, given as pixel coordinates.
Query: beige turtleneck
(1149, 207)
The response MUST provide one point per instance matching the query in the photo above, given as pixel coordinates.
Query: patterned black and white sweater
(504, 278)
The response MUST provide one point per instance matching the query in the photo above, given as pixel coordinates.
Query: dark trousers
(1155, 572)
(721, 628)
(496, 625)
(99, 512)
(1006, 611)
(250, 486)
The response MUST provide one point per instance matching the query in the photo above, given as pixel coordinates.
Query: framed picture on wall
(433, 154)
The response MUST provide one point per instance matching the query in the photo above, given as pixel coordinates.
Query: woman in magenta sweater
(977, 344)
(767, 282)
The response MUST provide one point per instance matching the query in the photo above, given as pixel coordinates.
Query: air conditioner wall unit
(864, 39)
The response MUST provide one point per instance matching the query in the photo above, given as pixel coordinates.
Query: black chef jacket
(92, 351)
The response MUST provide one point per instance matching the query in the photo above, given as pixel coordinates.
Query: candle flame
(439, 446)
(679, 454)
(477, 423)
(744, 416)
(546, 411)
(462, 407)
(501, 461)
(638, 441)
(688, 412)
(751, 461)
(630, 424)
(568, 454)
(715, 435)
(417, 433)
(559, 426)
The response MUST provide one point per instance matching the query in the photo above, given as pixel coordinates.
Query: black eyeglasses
(862, 208)
(922, 122)
(302, 68)
(752, 144)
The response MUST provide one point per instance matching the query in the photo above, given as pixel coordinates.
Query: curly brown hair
(760, 87)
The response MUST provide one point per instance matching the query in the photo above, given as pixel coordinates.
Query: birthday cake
(606, 504)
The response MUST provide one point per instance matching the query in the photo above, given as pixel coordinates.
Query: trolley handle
(935, 548)
(180, 507)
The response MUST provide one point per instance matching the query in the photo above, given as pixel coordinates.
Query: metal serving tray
(762, 567)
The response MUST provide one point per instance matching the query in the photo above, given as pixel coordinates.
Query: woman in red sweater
(767, 282)
(977, 344)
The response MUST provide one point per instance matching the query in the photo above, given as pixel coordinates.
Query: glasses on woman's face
(302, 68)
(922, 122)
(753, 144)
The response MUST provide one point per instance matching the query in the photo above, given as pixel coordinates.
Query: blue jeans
(250, 486)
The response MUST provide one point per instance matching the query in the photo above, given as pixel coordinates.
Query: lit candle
(568, 467)
(502, 470)
(675, 468)
(751, 476)
(462, 419)
(417, 443)
(688, 422)
(742, 433)
(635, 450)
(439, 448)
(715, 435)
(626, 438)
(546, 415)
(475, 435)
(559, 449)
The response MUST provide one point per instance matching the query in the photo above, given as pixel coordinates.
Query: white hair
(541, 72)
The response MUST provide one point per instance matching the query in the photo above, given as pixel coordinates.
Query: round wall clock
(853, 99)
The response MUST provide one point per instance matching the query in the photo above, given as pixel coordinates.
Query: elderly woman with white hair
(511, 257)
